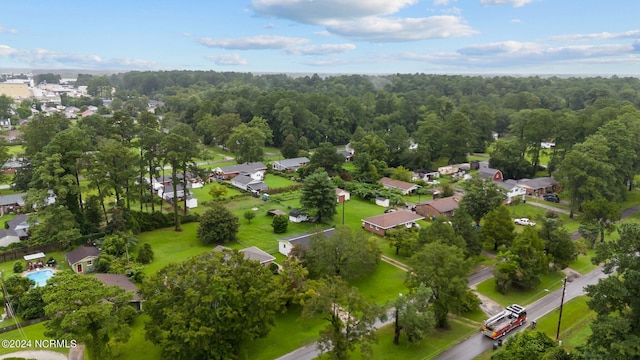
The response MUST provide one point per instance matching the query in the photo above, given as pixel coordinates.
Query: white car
(524, 222)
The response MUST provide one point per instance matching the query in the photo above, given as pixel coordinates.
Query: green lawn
(549, 282)
(583, 263)
(131, 350)
(290, 333)
(383, 285)
(172, 247)
(32, 333)
(15, 150)
(275, 182)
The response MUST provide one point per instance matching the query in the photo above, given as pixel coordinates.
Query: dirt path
(394, 262)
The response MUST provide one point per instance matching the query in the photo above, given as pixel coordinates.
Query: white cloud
(228, 59)
(314, 12)
(442, 2)
(322, 33)
(326, 49)
(401, 29)
(186, 34)
(367, 20)
(514, 3)
(7, 50)
(514, 54)
(516, 21)
(260, 42)
(6, 30)
(57, 60)
(632, 34)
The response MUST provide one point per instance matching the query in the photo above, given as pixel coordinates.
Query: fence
(18, 253)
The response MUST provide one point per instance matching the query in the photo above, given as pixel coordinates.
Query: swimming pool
(40, 277)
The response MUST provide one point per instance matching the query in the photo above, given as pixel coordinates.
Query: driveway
(549, 207)
(36, 355)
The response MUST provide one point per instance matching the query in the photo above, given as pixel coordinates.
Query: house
(301, 240)
(5, 124)
(289, 164)
(88, 113)
(11, 203)
(342, 195)
(166, 192)
(257, 254)
(83, 259)
(256, 170)
(347, 155)
(438, 207)
(379, 224)
(512, 189)
(539, 186)
(297, 216)
(246, 182)
(8, 237)
(404, 187)
(381, 201)
(488, 173)
(12, 165)
(123, 282)
(20, 225)
(425, 175)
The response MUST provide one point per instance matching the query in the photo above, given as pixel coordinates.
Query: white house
(302, 240)
(166, 192)
(8, 237)
(297, 216)
(255, 170)
(246, 182)
(512, 189)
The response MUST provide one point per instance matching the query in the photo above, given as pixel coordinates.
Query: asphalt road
(309, 352)
(478, 344)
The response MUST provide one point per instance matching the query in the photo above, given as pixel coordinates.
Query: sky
(511, 37)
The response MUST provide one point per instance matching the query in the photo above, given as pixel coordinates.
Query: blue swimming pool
(41, 277)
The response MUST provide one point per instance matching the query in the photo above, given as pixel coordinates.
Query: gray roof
(486, 172)
(539, 183)
(12, 199)
(243, 179)
(8, 232)
(80, 253)
(121, 281)
(345, 153)
(305, 239)
(168, 189)
(293, 163)
(254, 253)
(13, 163)
(18, 220)
(259, 186)
(243, 168)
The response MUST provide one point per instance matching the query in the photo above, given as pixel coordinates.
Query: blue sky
(581, 37)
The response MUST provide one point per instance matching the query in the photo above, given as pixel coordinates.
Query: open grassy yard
(290, 333)
(131, 349)
(549, 282)
(576, 316)
(275, 182)
(383, 285)
(583, 263)
(172, 247)
(32, 332)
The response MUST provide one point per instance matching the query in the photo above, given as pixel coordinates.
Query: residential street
(479, 343)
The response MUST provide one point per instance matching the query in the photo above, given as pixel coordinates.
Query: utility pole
(564, 287)
(344, 199)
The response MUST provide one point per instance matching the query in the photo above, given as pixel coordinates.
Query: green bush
(145, 255)
(280, 224)
(18, 266)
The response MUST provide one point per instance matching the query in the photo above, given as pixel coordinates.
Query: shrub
(145, 255)
(280, 224)
(18, 266)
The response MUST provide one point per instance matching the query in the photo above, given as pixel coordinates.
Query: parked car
(551, 197)
(524, 222)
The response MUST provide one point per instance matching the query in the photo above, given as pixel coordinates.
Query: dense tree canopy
(218, 225)
(319, 196)
(207, 306)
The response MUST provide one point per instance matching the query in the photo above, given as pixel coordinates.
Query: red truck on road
(500, 324)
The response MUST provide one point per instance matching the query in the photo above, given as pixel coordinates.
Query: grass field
(549, 282)
(30, 333)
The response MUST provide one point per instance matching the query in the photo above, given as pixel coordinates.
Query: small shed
(192, 202)
(381, 201)
(297, 216)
